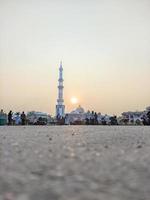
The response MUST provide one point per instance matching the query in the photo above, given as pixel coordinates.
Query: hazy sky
(104, 46)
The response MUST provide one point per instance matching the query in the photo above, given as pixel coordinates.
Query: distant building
(133, 117)
(60, 107)
(79, 116)
(76, 116)
(38, 118)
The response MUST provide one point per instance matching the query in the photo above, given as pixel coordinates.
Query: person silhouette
(10, 117)
(148, 117)
(23, 118)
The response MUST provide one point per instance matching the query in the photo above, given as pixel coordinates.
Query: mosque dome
(78, 110)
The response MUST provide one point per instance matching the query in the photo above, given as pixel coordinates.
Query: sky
(104, 46)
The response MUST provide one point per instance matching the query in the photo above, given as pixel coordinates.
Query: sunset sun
(74, 100)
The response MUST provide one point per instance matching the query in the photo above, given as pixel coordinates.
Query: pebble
(139, 146)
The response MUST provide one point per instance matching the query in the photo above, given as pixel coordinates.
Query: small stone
(50, 138)
(106, 146)
(98, 154)
(139, 146)
(72, 155)
(15, 144)
(19, 151)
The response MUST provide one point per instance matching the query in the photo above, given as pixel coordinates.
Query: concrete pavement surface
(74, 163)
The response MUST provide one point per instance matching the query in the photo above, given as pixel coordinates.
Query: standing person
(92, 118)
(17, 119)
(23, 118)
(95, 119)
(148, 116)
(10, 118)
(67, 122)
(87, 121)
(1, 112)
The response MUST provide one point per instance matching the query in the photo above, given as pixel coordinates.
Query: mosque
(78, 115)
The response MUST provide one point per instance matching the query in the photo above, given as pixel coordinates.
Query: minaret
(60, 108)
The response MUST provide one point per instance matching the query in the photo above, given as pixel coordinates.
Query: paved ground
(75, 163)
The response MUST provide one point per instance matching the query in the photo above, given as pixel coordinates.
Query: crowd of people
(93, 120)
(17, 119)
(96, 119)
(90, 119)
(146, 119)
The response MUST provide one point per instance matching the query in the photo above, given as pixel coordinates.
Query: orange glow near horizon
(104, 51)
